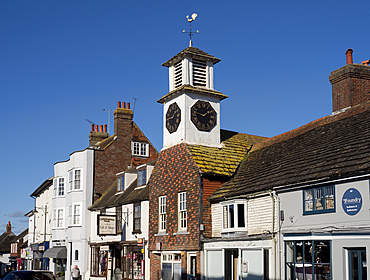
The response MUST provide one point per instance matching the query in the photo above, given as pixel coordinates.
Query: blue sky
(62, 62)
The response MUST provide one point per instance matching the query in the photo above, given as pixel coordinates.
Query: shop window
(162, 213)
(132, 261)
(98, 262)
(319, 200)
(307, 259)
(234, 216)
(171, 266)
(137, 218)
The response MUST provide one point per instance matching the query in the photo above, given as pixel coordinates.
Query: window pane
(225, 216)
(77, 182)
(308, 204)
(241, 215)
(308, 251)
(329, 197)
(231, 215)
(318, 199)
(299, 252)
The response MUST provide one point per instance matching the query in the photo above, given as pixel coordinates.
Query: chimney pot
(101, 128)
(349, 56)
(96, 128)
(105, 128)
(92, 127)
(124, 105)
(119, 104)
(128, 105)
(366, 62)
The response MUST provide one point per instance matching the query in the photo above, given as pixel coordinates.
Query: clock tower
(192, 106)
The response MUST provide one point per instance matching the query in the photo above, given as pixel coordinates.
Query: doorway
(231, 264)
(357, 264)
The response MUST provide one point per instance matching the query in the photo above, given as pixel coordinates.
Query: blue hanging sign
(352, 201)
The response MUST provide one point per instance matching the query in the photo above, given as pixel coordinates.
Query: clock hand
(203, 115)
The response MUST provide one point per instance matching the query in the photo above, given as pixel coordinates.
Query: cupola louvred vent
(178, 74)
(199, 73)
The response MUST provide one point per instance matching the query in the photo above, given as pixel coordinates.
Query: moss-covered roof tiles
(223, 161)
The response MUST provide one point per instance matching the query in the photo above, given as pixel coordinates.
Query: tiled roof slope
(5, 240)
(111, 198)
(223, 161)
(333, 147)
(193, 52)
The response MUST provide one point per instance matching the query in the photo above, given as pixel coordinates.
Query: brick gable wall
(174, 172)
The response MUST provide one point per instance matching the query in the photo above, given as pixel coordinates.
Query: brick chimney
(350, 84)
(8, 228)
(97, 134)
(123, 120)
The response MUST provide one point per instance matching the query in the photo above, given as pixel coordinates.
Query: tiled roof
(5, 241)
(45, 185)
(191, 51)
(223, 161)
(132, 193)
(333, 147)
(189, 88)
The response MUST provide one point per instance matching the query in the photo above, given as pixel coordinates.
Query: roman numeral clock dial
(173, 117)
(203, 115)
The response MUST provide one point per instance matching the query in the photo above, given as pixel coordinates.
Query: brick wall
(350, 86)
(174, 172)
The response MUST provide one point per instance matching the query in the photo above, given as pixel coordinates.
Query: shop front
(59, 256)
(117, 261)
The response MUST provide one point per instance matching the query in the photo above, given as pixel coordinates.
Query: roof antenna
(193, 17)
(91, 122)
(107, 110)
(133, 111)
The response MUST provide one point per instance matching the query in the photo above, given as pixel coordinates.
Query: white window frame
(76, 215)
(140, 149)
(55, 186)
(72, 179)
(228, 221)
(182, 211)
(61, 188)
(162, 215)
(58, 218)
(142, 181)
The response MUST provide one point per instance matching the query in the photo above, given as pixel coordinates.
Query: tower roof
(193, 52)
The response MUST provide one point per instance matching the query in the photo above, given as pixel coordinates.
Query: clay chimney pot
(349, 56)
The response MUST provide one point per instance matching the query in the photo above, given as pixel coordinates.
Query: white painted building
(120, 227)
(71, 221)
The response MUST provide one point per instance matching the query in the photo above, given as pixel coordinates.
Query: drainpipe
(277, 260)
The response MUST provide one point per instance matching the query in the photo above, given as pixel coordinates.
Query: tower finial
(193, 17)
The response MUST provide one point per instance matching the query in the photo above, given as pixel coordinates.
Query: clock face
(203, 115)
(173, 117)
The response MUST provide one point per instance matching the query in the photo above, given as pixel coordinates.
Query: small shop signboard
(107, 225)
(352, 201)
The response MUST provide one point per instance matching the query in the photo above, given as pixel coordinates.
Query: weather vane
(193, 17)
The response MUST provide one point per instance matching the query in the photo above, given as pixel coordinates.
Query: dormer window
(140, 149)
(121, 183)
(141, 177)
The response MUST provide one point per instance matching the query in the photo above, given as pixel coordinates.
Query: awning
(56, 253)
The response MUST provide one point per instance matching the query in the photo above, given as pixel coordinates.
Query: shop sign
(104, 248)
(107, 225)
(352, 201)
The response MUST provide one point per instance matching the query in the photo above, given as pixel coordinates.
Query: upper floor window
(74, 179)
(77, 214)
(121, 183)
(119, 218)
(140, 149)
(182, 211)
(137, 217)
(162, 213)
(319, 200)
(60, 186)
(141, 177)
(234, 215)
(58, 218)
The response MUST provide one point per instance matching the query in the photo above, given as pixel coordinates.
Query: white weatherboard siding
(259, 216)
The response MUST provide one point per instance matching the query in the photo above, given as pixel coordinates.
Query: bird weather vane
(193, 17)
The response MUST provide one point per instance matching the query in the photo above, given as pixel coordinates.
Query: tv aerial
(193, 17)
